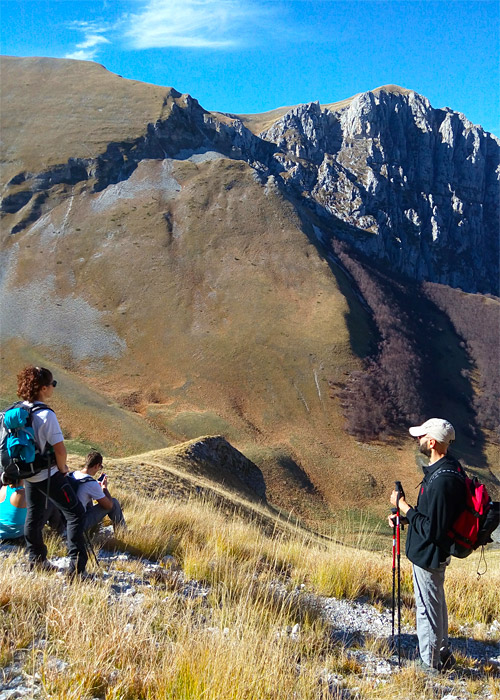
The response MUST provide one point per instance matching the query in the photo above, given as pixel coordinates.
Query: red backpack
(474, 525)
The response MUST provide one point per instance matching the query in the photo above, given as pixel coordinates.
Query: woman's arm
(61, 456)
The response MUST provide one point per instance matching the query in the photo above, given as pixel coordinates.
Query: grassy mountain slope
(185, 300)
(88, 418)
(80, 99)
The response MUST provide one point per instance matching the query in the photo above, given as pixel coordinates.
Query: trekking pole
(90, 548)
(393, 572)
(400, 493)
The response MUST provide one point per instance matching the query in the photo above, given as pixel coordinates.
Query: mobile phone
(100, 478)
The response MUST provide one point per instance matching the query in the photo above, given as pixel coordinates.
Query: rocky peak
(307, 131)
(419, 184)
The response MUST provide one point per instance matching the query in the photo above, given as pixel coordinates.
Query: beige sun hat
(437, 428)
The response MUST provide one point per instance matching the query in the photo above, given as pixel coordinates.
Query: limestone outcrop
(418, 187)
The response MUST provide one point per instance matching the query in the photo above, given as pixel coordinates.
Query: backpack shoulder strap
(84, 480)
(458, 473)
(41, 407)
(38, 407)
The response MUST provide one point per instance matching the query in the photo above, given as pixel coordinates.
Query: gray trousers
(432, 614)
(96, 513)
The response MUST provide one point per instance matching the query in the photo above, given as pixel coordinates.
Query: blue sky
(247, 56)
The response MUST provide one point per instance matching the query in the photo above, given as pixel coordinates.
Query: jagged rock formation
(413, 186)
(419, 184)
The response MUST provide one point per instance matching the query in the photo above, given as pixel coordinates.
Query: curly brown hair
(30, 380)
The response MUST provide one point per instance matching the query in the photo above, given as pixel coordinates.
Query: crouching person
(90, 489)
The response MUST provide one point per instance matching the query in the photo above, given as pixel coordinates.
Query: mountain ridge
(424, 181)
(184, 270)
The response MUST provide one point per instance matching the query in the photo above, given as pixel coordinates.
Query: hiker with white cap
(440, 501)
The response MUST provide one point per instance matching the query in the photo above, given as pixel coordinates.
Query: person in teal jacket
(12, 511)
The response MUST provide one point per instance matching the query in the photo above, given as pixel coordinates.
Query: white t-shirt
(89, 491)
(47, 430)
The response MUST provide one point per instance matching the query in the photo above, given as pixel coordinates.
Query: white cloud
(191, 23)
(88, 49)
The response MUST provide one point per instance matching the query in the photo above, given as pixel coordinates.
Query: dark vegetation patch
(421, 367)
(476, 319)
(389, 390)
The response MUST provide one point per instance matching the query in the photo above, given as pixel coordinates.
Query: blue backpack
(20, 456)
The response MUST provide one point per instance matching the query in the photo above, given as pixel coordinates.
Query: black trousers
(61, 494)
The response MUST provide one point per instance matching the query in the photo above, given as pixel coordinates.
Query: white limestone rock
(425, 180)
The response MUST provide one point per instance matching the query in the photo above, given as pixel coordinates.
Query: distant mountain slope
(54, 110)
(172, 261)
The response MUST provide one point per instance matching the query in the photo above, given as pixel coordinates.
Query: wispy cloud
(93, 40)
(213, 24)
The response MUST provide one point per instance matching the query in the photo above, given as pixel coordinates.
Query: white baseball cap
(437, 428)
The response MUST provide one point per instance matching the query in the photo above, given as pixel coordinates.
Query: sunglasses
(53, 383)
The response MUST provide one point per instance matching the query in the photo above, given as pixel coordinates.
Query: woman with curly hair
(35, 385)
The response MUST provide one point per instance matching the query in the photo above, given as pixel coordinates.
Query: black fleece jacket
(440, 501)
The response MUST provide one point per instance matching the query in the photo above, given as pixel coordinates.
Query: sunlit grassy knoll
(165, 472)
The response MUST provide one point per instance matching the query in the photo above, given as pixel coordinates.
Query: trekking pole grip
(398, 487)
(401, 494)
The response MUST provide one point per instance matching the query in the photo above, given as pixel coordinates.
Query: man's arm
(404, 507)
(105, 502)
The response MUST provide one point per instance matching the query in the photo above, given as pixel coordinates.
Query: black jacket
(440, 501)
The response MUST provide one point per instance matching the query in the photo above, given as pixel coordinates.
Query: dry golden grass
(235, 645)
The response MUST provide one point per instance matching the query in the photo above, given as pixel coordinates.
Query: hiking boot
(448, 661)
(43, 565)
(425, 668)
